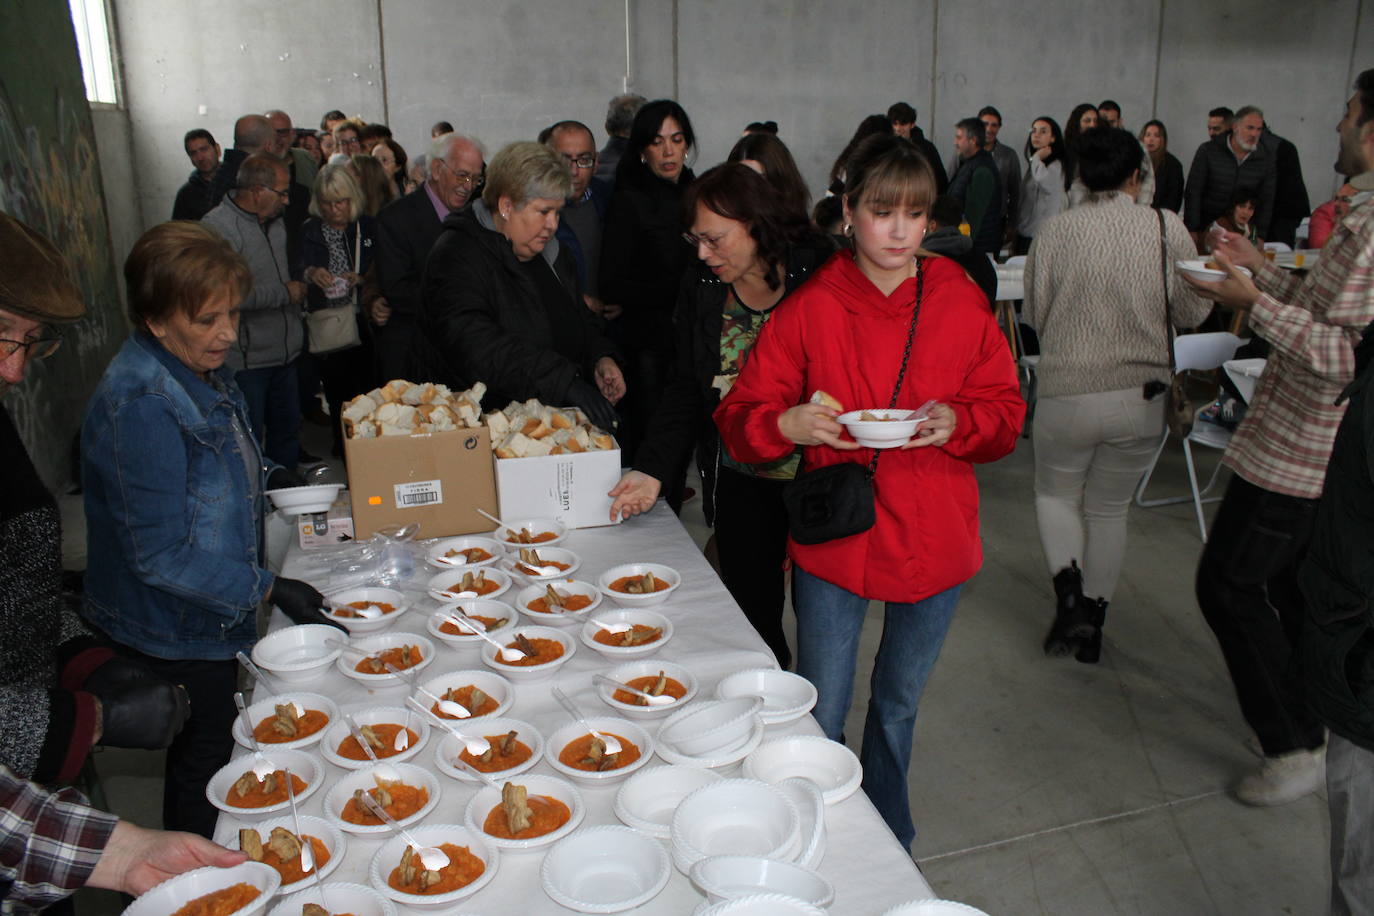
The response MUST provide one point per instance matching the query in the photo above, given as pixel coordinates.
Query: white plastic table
(712, 638)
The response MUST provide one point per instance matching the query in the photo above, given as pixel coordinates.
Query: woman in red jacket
(844, 332)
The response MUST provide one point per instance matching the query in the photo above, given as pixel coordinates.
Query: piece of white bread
(358, 408)
(827, 400)
(420, 394)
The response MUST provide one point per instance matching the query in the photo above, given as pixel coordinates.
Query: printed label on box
(419, 493)
(565, 486)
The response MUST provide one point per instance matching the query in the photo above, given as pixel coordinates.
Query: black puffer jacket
(643, 254)
(1334, 654)
(684, 414)
(484, 320)
(1214, 177)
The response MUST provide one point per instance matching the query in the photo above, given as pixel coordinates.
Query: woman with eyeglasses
(643, 256)
(502, 303)
(753, 249)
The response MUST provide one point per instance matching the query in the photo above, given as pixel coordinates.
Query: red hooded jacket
(840, 334)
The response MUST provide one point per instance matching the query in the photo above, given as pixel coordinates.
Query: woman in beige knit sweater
(1095, 294)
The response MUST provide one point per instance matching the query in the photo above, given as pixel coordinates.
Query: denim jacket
(173, 537)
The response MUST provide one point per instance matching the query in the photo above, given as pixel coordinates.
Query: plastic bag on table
(391, 558)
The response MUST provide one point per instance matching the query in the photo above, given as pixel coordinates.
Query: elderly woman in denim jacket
(174, 484)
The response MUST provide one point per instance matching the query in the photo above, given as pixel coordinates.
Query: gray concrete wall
(501, 71)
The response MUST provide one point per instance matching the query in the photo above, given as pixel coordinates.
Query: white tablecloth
(869, 870)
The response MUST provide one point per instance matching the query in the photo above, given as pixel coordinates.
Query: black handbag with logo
(836, 501)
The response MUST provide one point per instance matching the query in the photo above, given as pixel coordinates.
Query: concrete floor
(1046, 786)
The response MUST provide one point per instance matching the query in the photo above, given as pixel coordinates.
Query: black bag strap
(1168, 309)
(906, 357)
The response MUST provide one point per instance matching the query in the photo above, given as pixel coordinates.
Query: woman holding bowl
(885, 317)
(753, 250)
(174, 482)
(502, 303)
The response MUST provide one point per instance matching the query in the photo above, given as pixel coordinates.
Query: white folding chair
(1195, 351)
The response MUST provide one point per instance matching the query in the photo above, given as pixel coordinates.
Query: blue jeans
(274, 408)
(829, 620)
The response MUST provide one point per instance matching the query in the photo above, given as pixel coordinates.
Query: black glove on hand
(145, 716)
(585, 395)
(118, 674)
(284, 477)
(301, 602)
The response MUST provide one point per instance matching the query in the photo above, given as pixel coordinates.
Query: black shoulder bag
(837, 500)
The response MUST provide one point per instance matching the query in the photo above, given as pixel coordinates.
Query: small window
(94, 45)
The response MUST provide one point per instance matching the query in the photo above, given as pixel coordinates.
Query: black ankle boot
(1090, 648)
(1071, 622)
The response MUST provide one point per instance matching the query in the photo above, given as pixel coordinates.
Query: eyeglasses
(463, 178)
(351, 141)
(695, 239)
(38, 347)
(585, 161)
(284, 193)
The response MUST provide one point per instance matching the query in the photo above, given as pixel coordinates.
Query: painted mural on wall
(50, 179)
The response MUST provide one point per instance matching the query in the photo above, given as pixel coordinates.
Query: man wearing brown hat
(61, 690)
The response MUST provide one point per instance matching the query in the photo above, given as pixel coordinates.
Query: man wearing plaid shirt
(1247, 579)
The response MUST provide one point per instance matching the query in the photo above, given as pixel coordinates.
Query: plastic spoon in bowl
(612, 745)
(431, 857)
(613, 628)
(385, 771)
(476, 629)
(474, 746)
(260, 677)
(448, 707)
(307, 854)
(513, 529)
(262, 767)
(661, 699)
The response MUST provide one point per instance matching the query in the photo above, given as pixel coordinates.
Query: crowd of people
(718, 319)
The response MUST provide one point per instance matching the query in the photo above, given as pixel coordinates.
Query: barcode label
(419, 493)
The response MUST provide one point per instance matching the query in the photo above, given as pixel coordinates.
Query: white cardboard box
(571, 488)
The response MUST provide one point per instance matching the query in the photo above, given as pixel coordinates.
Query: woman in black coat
(643, 255)
(1168, 170)
(502, 304)
(754, 249)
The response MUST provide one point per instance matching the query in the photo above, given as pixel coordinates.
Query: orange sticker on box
(374, 500)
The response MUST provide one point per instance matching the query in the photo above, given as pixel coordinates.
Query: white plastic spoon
(307, 854)
(385, 771)
(476, 746)
(476, 629)
(662, 699)
(262, 767)
(615, 628)
(260, 677)
(431, 857)
(612, 745)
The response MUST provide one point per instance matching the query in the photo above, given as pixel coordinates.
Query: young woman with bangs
(884, 316)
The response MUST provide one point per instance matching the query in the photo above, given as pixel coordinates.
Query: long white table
(712, 638)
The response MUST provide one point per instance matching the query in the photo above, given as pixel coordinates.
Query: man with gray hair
(1226, 164)
(253, 134)
(406, 230)
(271, 332)
(620, 114)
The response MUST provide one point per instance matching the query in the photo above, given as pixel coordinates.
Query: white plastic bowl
(561, 618)
(301, 764)
(305, 500)
(536, 525)
(524, 673)
(811, 843)
(547, 555)
(348, 661)
(622, 728)
(489, 682)
(335, 734)
(727, 877)
(371, 595)
(389, 856)
(478, 607)
(1197, 269)
(734, 817)
(762, 905)
(886, 433)
(450, 747)
(339, 897)
(647, 667)
(933, 907)
(726, 763)
(711, 726)
(267, 707)
(535, 784)
(439, 585)
(174, 893)
(829, 764)
(605, 869)
(297, 654)
(342, 790)
(228, 835)
(786, 696)
(626, 599)
(648, 798)
(437, 552)
(630, 615)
